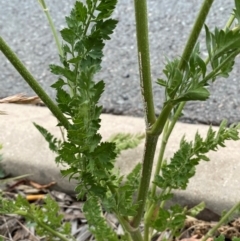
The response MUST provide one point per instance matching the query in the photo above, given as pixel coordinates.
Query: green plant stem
(57, 234)
(43, 225)
(158, 126)
(145, 76)
(221, 222)
(146, 232)
(46, 11)
(19, 66)
(220, 66)
(229, 22)
(148, 158)
(197, 27)
(144, 60)
(54, 32)
(150, 148)
(136, 236)
(166, 136)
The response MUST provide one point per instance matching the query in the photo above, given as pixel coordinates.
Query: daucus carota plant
(90, 161)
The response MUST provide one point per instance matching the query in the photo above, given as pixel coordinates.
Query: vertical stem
(148, 158)
(158, 127)
(165, 141)
(46, 11)
(150, 148)
(197, 27)
(144, 60)
(19, 66)
(136, 236)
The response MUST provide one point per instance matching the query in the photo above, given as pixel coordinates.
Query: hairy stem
(19, 66)
(144, 60)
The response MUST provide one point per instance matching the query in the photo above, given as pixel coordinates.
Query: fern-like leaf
(97, 223)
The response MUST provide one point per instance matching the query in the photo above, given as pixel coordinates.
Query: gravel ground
(24, 27)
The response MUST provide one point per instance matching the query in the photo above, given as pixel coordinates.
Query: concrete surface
(25, 151)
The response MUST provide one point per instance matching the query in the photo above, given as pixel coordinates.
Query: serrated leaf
(81, 11)
(53, 142)
(58, 70)
(97, 224)
(126, 141)
(227, 41)
(68, 35)
(74, 60)
(104, 153)
(203, 157)
(99, 87)
(106, 8)
(58, 84)
(106, 27)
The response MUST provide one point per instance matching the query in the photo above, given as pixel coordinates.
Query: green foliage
(90, 161)
(190, 83)
(172, 219)
(223, 46)
(196, 209)
(220, 238)
(54, 143)
(237, 11)
(47, 215)
(181, 168)
(120, 201)
(125, 205)
(235, 239)
(96, 221)
(124, 141)
(185, 85)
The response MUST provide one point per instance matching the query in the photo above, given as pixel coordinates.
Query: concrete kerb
(25, 151)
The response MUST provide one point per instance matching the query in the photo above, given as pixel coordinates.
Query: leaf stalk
(22, 70)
